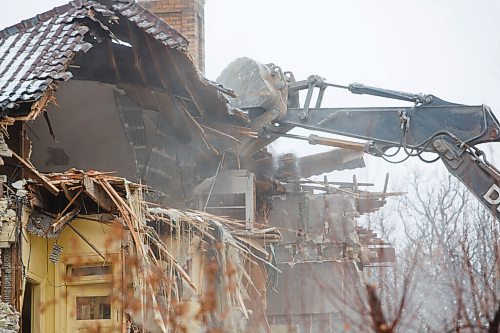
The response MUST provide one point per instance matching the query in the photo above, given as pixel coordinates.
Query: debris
(231, 242)
(97, 193)
(31, 169)
(55, 254)
(9, 319)
(198, 247)
(63, 219)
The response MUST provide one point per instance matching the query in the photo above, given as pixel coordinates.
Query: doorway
(30, 313)
(27, 312)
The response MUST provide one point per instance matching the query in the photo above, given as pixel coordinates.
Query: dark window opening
(89, 270)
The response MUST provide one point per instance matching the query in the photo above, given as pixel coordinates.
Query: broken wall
(145, 116)
(321, 257)
(88, 272)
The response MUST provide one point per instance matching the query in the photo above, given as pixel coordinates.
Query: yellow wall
(50, 279)
(42, 274)
(57, 293)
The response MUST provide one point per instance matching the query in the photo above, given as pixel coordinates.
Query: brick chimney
(188, 17)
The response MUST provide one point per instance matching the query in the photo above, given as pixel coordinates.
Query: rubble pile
(9, 319)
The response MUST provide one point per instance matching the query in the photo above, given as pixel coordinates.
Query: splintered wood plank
(97, 193)
(69, 194)
(37, 175)
(60, 222)
(71, 202)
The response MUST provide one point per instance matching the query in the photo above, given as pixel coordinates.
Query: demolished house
(138, 196)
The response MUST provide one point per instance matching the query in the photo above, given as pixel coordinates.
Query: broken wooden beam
(97, 194)
(37, 175)
(71, 202)
(61, 221)
(69, 194)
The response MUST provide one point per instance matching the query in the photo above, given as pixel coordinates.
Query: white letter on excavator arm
(487, 196)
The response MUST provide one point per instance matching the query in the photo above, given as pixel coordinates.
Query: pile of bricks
(9, 319)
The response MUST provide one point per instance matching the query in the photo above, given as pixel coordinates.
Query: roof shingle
(37, 51)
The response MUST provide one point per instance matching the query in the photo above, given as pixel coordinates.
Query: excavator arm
(450, 130)
(430, 125)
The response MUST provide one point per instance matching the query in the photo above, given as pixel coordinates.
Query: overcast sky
(448, 48)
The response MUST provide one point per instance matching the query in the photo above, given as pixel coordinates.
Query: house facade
(138, 196)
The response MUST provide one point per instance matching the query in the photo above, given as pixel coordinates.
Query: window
(89, 270)
(93, 307)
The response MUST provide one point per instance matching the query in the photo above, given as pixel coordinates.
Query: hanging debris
(160, 246)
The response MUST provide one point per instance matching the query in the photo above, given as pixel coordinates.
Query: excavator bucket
(259, 89)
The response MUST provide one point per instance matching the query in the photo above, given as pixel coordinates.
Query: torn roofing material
(148, 238)
(38, 51)
(130, 75)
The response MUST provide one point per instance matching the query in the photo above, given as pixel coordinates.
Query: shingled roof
(38, 51)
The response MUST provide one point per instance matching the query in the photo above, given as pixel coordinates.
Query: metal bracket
(450, 154)
(313, 82)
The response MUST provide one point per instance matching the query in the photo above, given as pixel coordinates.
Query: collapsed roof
(113, 69)
(127, 67)
(42, 50)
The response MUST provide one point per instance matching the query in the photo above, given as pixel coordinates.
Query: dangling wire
(395, 162)
(428, 161)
